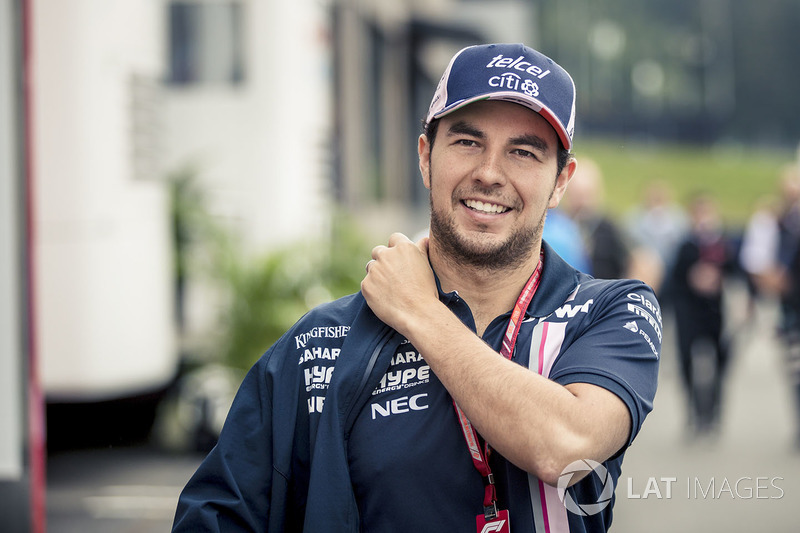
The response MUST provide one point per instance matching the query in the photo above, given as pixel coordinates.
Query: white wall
(12, 390)
(261, 147)
(103, 265)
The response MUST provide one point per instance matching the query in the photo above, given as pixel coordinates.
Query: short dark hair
(563, 156)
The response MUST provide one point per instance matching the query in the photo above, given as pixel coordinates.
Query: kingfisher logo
(594, 468)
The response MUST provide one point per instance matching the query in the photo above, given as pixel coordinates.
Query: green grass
(737, 176)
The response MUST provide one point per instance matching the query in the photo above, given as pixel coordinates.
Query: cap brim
(531, 103)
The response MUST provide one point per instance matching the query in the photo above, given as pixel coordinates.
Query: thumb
(397, 238)
(422, 244)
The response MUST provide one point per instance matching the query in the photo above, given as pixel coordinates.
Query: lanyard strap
(480, 457)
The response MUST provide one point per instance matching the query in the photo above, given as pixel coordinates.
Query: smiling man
(477, 380)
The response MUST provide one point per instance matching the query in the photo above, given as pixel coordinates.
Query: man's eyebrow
(463, 127)
(531, 140)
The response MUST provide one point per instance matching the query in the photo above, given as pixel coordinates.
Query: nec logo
(570, 311)
(399, 406)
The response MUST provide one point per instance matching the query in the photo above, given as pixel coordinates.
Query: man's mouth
(485, 207)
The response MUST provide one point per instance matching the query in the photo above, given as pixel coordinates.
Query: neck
(488, 292)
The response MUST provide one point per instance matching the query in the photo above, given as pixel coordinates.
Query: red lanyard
(480, 458)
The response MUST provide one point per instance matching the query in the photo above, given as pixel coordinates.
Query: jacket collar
(559, 279)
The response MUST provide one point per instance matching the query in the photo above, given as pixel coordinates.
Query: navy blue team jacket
(341, 427)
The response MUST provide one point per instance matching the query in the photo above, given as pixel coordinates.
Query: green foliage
(269, 294)
(194, 228)
(265, 295)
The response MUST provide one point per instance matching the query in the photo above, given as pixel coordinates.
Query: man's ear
(424, 152)
(562, 181)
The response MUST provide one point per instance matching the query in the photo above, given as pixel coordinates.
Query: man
(695, 285)
(608, 252)
(770, 256)
(392, 410)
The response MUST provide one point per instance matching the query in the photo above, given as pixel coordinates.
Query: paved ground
(115, 490)
(754, 449)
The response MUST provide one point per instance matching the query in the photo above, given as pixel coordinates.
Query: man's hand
(535, 423)
(399, 281)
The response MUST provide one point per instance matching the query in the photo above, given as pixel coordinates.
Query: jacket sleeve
(230, 491)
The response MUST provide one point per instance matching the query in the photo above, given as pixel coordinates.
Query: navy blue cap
(513, 73)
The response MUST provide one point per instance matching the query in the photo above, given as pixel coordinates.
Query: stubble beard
(486, 256)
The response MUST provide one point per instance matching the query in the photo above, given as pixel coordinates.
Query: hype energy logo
(595, 469)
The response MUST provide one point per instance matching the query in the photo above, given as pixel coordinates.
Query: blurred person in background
(656, 228)
(770, 255)
(695, 285)
(392, 410)
(564, 235)
(609, 254)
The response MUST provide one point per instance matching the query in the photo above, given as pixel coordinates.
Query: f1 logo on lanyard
(500, 524)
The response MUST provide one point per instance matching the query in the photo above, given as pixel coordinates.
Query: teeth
(485, 207)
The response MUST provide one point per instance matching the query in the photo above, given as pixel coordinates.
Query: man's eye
(524, 153)
(467, 142)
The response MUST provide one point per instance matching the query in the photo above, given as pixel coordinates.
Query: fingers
(422, 244)
(398, 238)
(394, 240)
(377, 251)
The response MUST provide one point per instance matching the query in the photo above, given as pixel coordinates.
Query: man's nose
(490, 171)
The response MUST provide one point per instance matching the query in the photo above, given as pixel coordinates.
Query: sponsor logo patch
(321, 332)
(401, 405)
(642, 312)
(569, 310)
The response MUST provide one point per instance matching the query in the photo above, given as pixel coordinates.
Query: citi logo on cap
(518, 64)
(514, 82)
